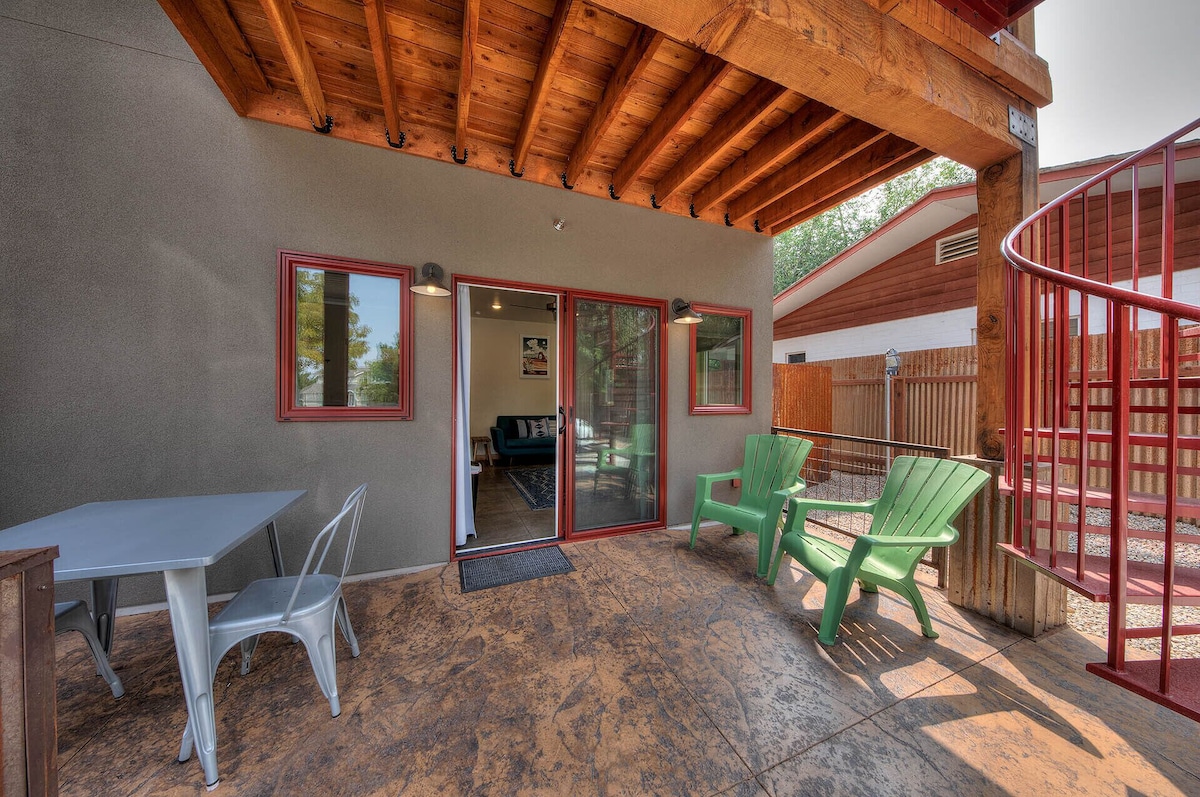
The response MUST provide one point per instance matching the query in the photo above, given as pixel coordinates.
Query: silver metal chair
(305, 606)
(75, 616)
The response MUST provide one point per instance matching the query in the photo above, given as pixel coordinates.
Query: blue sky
(1126, 73)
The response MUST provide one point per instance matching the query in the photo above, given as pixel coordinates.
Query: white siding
(933, 331)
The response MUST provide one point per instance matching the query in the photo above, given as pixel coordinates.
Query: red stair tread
(1142, 677)
(1143, 579)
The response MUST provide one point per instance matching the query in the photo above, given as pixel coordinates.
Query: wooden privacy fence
(932, 399)
(802, 399)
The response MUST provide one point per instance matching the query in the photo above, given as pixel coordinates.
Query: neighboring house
(911, 284)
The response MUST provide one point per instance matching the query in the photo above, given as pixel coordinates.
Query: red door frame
(566, 348)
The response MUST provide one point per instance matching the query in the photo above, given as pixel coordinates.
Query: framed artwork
(535, 357)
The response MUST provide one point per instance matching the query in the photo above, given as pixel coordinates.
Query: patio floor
(651, 669)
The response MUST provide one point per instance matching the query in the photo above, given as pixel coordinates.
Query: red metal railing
(1103, 406)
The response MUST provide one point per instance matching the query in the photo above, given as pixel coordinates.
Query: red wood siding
(910, 285)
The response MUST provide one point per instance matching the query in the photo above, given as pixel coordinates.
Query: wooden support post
(1008, 194)
(978, 576)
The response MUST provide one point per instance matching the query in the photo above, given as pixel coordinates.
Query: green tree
(381, 386)
(806, 246)
(310, 328)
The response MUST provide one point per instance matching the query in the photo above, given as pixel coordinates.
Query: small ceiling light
(495, 301)
(684, 314)
(431, 281)
(560, 224)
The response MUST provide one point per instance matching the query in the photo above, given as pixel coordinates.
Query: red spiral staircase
(1103, 408)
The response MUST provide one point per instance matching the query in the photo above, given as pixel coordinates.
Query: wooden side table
(487, 450)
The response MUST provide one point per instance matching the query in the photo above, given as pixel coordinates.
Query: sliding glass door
(614, 476)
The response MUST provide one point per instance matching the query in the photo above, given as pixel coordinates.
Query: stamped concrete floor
(650, 670)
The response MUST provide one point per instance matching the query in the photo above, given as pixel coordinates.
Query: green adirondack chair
(770, 474)
(632, 462)
(920, 500)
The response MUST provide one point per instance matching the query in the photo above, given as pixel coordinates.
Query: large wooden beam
(849, 192)
(856, 171)
(752, 109)
(466, 70)
(282, 19)
(565, 13)
(702, 81)
(203, 41)
(233, 42)
(385, 71)
(776, 147)
(1007, 194)
(850, 56)
(848, 142)
(642, 46)
(1005, 60)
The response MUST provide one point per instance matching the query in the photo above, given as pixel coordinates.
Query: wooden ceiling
(558, 92)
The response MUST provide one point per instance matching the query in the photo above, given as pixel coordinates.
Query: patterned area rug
(509, 568)
(536, 486)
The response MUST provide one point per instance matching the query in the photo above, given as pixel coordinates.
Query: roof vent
(956, 247)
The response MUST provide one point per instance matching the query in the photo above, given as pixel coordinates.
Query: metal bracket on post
(1022, 126)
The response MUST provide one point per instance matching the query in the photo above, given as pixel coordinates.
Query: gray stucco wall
(138, 238)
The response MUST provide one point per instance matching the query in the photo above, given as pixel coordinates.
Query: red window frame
(286, 407)
(747, 317)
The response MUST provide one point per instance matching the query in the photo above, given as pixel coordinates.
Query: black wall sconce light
(684, 314)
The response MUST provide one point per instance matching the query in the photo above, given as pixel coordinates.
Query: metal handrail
(1055, 409)
(1102, 290)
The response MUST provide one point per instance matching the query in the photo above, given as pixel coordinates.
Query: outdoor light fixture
(431, 281)
(560, 224)
(891, 362)
(684, 314)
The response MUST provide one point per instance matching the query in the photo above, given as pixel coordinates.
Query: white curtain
(464, 512)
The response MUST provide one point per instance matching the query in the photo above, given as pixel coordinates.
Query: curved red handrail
(1103, 290)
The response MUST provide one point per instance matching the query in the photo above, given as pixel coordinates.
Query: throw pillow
(539, 428)
(522, 428)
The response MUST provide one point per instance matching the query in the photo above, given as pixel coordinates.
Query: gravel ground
(1082, 614)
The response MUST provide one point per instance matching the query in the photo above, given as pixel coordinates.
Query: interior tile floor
(502, 516)
(650, 670)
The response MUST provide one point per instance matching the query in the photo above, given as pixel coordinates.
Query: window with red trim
(719, 372)
(345, 339)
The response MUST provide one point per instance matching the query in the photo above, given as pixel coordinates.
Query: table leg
(104, 608)
(276, 551)
(187, 600)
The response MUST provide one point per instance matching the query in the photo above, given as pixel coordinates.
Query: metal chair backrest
(351, 509)
(772, 462)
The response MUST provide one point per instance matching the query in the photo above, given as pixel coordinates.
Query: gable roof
(944, 207)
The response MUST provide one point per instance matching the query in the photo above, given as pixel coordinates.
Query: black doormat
(509, 568)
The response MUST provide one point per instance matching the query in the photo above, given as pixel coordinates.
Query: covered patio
(668, 672)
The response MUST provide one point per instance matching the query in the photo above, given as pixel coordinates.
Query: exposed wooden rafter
(753, 108)
(700, 82)
(642, 46)
(833, 200)
(466, 71)
(385, 70)
(565, 13)
(778, 146)
(736, 112)
(203, 41)
(850, 140)
(854, 175)
(282, 19)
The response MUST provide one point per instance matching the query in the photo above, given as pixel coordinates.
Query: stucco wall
(139, 234)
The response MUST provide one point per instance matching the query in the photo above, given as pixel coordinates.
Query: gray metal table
(179, 537)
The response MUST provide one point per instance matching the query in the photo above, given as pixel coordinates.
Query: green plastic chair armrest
(948, 537)
(810, 504)
(705, 481)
